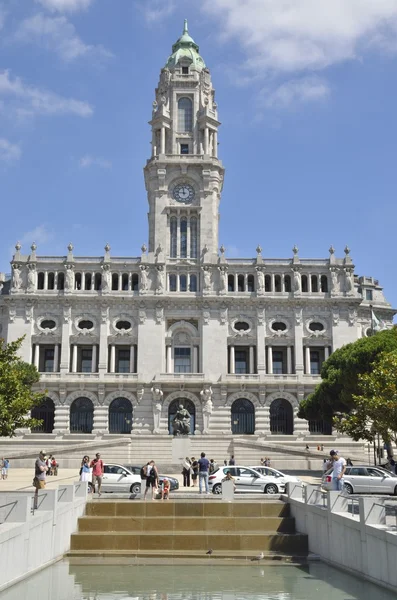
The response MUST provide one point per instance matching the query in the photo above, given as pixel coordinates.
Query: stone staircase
(187, 529)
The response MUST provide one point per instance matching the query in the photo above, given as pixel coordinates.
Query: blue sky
(307, 95)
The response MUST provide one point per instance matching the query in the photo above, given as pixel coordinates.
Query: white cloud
(291, 93)
(39, 234)
(59, 35)
(25, 100)
(94, 161)
(157, 10)
(65, 5)
(9, 152)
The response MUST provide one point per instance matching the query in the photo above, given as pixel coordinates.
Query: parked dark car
(174, 483)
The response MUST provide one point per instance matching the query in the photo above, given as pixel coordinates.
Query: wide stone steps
(183, 529)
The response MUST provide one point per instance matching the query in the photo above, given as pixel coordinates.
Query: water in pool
(67, 581)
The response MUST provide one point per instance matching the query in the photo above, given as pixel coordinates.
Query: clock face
(183, 193)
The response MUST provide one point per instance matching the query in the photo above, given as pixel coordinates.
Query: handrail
(13, 504)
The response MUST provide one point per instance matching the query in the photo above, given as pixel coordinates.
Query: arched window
(173, 237)
(243, 417)
(320, 427)
(268, 283)
(81, 416)
(183, 283)
(193, 283)
(77, 281)
(324, 283)
(51, 281)
(40, 281)
(281, 417)
(135, 282)
(287, 283)
(277, 283)
(193, 237)
(124, 282)
(173, 409)
(251, 283)
(61, 281)
(304, 283)
(120, 416)
(98, 282)
(240, 283)
(185, 115)
(183, 250)
(87, 281)
(44, 412)
(115, 281)
(230, 283)
(172, 283)
(314, 283)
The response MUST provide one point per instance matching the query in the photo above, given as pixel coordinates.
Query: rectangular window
(241, 362)
(368, 295)
(314, 362)
(48, 360)
(182, 361)
(123, 360)
(278, 362)
(183, 229)
(185, 70)
(86, 360)
(184, 148)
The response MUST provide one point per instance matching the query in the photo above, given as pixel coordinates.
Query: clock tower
(184, 176)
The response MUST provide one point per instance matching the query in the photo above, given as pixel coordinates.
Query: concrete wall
(31, 540)
(363, 543)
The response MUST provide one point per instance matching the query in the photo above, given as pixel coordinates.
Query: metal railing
(3, 513)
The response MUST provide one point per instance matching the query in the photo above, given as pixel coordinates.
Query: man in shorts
(339, 465)
(40, 470)
(97, 472)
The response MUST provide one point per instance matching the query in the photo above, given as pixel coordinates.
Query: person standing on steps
(232, 462)
(186, 472)
(152, 478)
(204, 465)
(195, 470)
(97, 472)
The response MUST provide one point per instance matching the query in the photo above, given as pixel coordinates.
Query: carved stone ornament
(143, 283)
(223, 315)
(106, 278)
(298, 316)
(159, 279)
(260, 280)
(16, 277)
(352, 316)
(206, 315)
(260, 316)
(31, 286)
(29, 313)
(104, 314)
(142, 314)
(206, 279)
(159, 314)
(11, 314)
(335, 315)
(222, 279)
(297, 281)
(67, 314)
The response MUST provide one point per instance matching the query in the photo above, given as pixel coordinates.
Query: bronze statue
(181, 421)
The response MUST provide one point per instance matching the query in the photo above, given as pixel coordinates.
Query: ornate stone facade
(120, 342)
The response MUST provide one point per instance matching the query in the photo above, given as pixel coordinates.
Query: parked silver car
(117, 478)
(246, 480)
(363, 479)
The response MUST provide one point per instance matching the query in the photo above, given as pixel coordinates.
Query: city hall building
(120, 343)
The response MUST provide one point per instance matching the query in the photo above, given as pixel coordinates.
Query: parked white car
(277, 476)
(246, 480)
(117, 478)
(363, 479)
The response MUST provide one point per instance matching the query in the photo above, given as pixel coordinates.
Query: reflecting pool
(106, 581)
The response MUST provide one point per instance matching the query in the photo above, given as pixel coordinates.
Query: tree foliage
(375, 410)
(16, 396)
(339, 388)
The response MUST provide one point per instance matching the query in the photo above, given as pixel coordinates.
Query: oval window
(48, 324)
(279, 326)
(241, 326)
(85, 325)
(315, 326)
(123, 325)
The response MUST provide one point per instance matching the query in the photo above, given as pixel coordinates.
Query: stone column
(298, 350)
(61, 418)
(326, 352)
(289, 360)
(270, 360)
(94, 359)
(112, 358)
(195, 359)
(46, 280)
(206, 140)
(37, 356)
(283, 282)
(65, 344)
(169, 359)
(251, 360)
(188, 241)
(272, 285)
(307, 355)
(101, 419)
(309, 283)
(132, 359)
(232, 360)
(178, 242)
(261, 342)
(56, 358)
(162, 140)
(103, 343)
(215, 145)
(74, 358)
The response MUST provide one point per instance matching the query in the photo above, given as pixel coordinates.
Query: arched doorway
(281, 417)
(243, 417)
(44, 412)
(81, 416)
(120, 416)
(173, 408)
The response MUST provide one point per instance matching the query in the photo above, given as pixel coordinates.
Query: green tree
(375, 410)
(16, 396)
(340, 387)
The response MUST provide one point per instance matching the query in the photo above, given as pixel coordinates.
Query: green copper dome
(185, 47)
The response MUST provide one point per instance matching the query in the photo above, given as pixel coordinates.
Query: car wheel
(217, 488)
(135, 488)
(348, 488)
(271, 488)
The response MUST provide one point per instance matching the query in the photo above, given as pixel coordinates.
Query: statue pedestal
(180, 449)
(228, 491)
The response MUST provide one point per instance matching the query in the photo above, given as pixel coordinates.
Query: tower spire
(185, 28)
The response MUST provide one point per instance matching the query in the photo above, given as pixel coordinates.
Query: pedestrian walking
(152, 478)
(339, 465)
(195, 470)
(40, 471)
(54, 466)
(97, 472)
(213, 466)
(5, 465)
(204, 465)
(232, 462)
(186, 468)
(86, 472)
